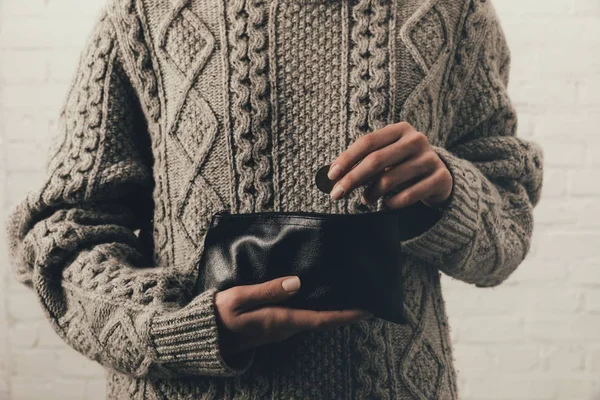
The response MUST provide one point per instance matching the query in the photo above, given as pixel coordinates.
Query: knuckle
(444, 176)
(406, 197)
(234, 324)
(228, 300)
(342, 161)
(386, 183)
(431, 158)
(390, 202)
(374, 161)
(269, 324)
(419, 138)
(320, 322)
(412, 141)
(347, 181)
(403, 125)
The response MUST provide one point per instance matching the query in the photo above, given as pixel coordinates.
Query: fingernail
(334, 172)
(337, 192)
(291, 284)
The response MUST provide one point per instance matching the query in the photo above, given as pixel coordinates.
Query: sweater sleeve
(486, 226)
(79, 241)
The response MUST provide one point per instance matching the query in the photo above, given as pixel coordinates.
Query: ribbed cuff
(187, 340)
(459, 221)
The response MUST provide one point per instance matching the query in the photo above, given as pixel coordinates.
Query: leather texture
(343, 260)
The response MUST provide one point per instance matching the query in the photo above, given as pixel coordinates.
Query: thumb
(269, 292)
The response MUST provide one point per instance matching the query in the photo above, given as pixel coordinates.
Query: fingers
(273, 291)
(410, 144)
(399, 175)
(283, 321)
(299, 320)
(364, 145)
(245, 321)
(372, 165)
(428, 188)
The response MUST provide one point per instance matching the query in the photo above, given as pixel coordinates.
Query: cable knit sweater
(180, 108)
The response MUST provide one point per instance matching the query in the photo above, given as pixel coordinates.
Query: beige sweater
(180, 108)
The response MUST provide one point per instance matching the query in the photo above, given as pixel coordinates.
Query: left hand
(395, 157)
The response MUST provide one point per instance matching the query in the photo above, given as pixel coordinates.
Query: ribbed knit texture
(181, 108)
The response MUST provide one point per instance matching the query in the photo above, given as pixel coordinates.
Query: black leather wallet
(343, 260)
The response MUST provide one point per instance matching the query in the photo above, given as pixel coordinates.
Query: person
(182, 108)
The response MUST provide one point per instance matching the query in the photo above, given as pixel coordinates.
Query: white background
(537, 336)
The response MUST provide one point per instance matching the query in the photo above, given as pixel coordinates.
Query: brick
(500, 358)
(19, 183)
(24, 335)
(493, 329)
(585, 181)
(40, 33)
(552, 64)
(555, 182)
(578, 388)
(17, 161)
(95, 389)
(48, 96)
(589, 216)
(34, 334)
(592, 300)
(593, 154)
(4, 388)
(586, 7)
(515, 8)
(563, 328)
(540, 271)
(526, 124)
(551, 300)
(27, 125)
(24, 66)
(586, 273)
(593, 356)
(467, 355)
(554, 211)
(24, 388)
(47, 337)
(563, 152)
(34, 363)
(15, 9)
(563, 359)
(515, 358)
(86, 11)
(576, 123)
(61, 68)
(562, 246)
(538, 94)
(73, 364)
(510, 386)
(24, 306)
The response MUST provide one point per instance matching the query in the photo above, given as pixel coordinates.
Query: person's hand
(248, 316)
(402, 164)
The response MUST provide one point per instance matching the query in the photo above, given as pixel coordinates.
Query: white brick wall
(535, 337)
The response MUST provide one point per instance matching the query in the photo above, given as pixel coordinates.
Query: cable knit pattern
(180, 108)
(250, 110)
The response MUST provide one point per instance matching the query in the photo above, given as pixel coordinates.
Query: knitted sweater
(180, 108)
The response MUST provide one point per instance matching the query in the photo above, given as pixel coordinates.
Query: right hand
(247, 317)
